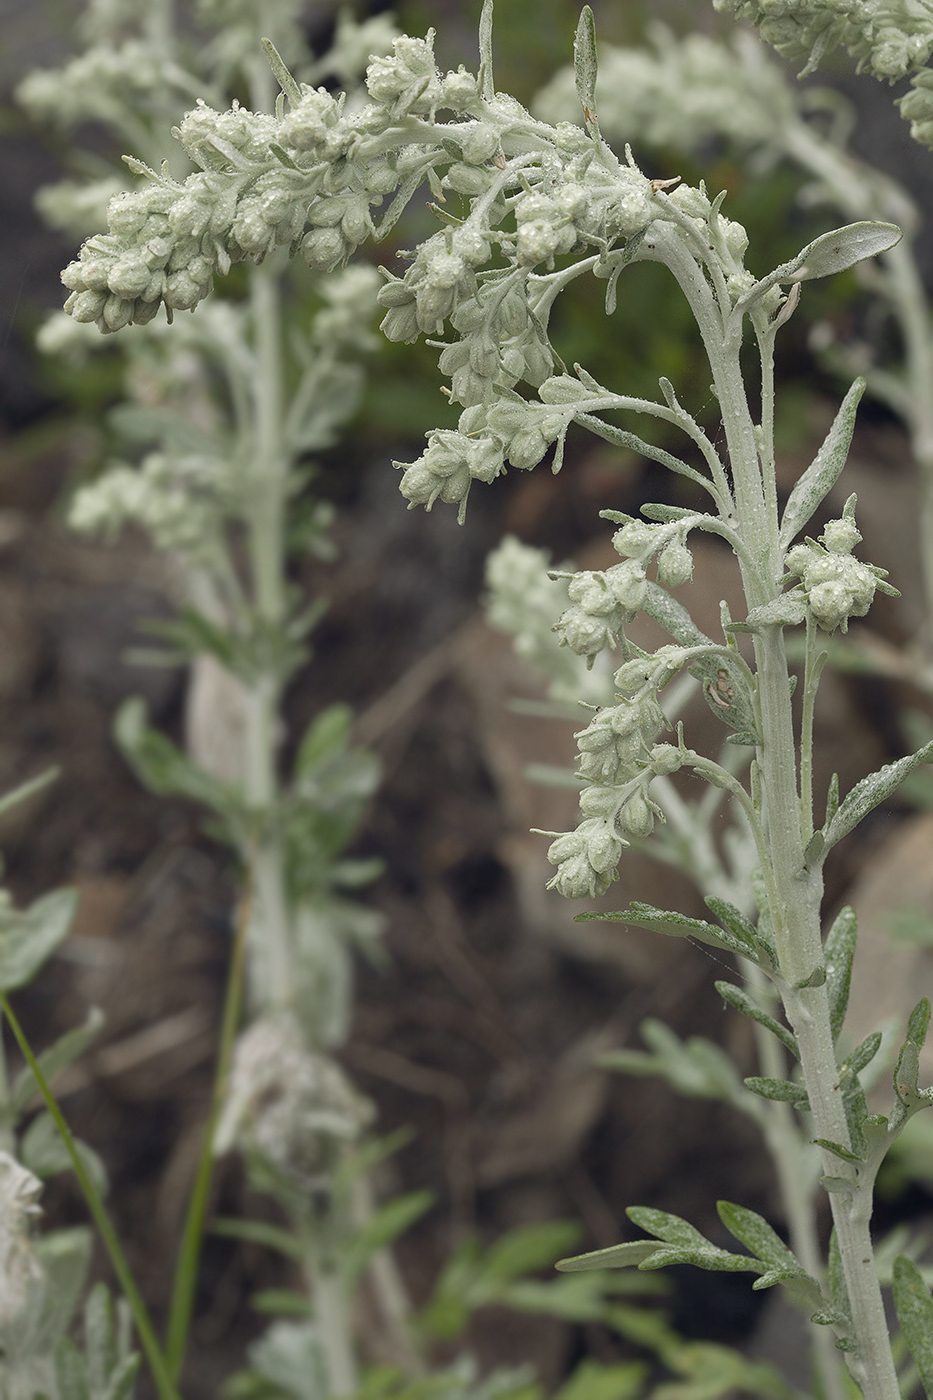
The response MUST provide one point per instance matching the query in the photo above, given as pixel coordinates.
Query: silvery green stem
(334, 1330)
(271, 941)
(794, 891)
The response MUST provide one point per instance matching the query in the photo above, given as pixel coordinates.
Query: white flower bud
(675, 565)
(840, 536)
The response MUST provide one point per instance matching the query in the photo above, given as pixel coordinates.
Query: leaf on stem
(585, 69)
(778, 1090)
(53, 1060)
(836, 251)
(617, 1256)
(695, 1067)
(280, 72)
(683, 1244)
(670, 922)
(741, 1001)
(823, 472)
(28, 937)
(914, 1308)
(871, 791)
(906, 1074)
(785, 611)
(768, 1247)
(486, 83)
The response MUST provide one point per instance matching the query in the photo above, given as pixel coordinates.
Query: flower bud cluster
(890, 40)
(441, 278)
(513, 429)
(618, 758)
(179, 501)
(407, 82)
(837, 586)
(19, 1264)
(100, 84)
(917, 107)
(500, 343)
(692, 89)
(290, 1105)
(602, 601)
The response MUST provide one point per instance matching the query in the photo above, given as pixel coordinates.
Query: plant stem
(164, 1382)
(271, 953)
(796, 895)
(186, 1269)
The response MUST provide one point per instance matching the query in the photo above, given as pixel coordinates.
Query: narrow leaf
(281, 74)
(486, 85)
(732, 919)
(617, 1256)
(839, 950)
(56, 1058)
(838, 1150)
(914, 1308)
(669, 922)
(823, 472)
(862, 1055)
(741, 1001)
(871, 791)
(585, 68)
(919, 1022)
(778, 1090)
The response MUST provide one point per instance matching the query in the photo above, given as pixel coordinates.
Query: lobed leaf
(823, 472)
(686, 1244)
(914, 1308)
(838, 951)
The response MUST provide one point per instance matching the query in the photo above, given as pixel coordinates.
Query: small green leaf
(823, 472)
(56, 1058)
(29, 937)
(617, 1256)
(778, 1090)
(835, 252)
(43, 1151)
(919, 1022)
(685, 1245)
(592, 1380)
(585, 68)
(670, 922)
(786, 611)
(838, 1150)
(862, 1055)
(259, 1232)
(839, 950)
(327, 735)
(281, 74)
(816, 978)
(914, 1308)
(281, 1302)
(732, 919)
(739, 999)
(486, 84)
(867, 794)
